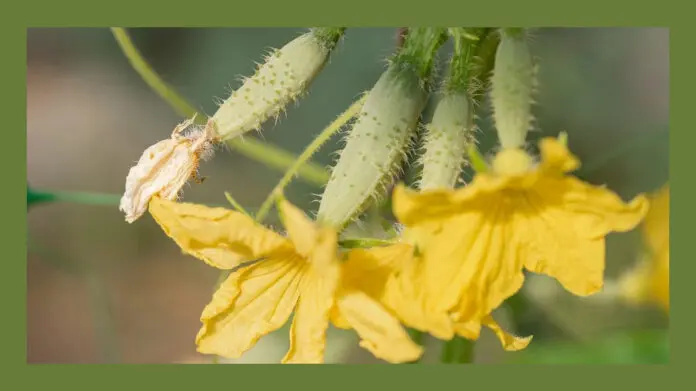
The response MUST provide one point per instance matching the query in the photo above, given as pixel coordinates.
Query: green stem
(363, 243)
(85, 198)
(280, 159)
(165, 91)
(447, 351)
(323, 137)
(484, 62)
(514, 31)
(419, 49)
(328, 36)
(236, 205)
(464, 352)
(267, 154)
(458, 350)
(466, 42)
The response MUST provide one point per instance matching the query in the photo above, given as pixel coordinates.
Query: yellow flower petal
(318, 290)
(634, 285)
(392, 276)
(557, 246)
(221, 237)
(556, 157)
(542, 219)
(565, 225)
(656, 223)
(308, 331)
(472, 329)
(415, 208)
(302, 230)
(475, 263)
(369, 269)
(660, 283)
(595, 210)
(648, 281)
(323, 257)
(337, 318)
(250, 304)
(656, 235)
(380, 332)
(412, 207)
(510, 342)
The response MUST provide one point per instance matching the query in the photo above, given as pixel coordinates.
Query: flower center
(513, 161)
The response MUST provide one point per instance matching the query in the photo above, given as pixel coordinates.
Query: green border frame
(73, 13)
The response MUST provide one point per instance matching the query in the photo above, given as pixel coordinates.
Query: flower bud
(164, 168)
(284, 76)
(513, 85)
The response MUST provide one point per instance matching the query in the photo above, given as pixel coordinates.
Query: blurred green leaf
(646, 347)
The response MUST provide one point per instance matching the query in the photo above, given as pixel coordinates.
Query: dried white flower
(164, 168)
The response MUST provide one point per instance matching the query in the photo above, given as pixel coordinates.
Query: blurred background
(101, 290)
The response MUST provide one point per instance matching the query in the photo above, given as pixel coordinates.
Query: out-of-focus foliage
(647, 347)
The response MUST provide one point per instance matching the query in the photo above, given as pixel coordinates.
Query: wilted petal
(250, 304)
(379, 330)
(163, 170)
(221, 237)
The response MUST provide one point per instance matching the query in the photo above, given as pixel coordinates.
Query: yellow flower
(300, 273)
(649, 280)
(477, 240)
(394, 276)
